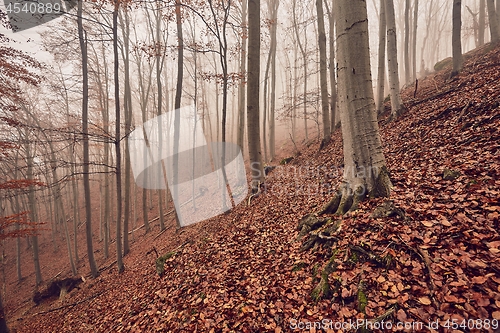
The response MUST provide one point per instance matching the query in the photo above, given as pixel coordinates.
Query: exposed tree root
(385, 262)
(323, 289)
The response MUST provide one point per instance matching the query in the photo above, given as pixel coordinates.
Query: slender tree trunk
(414, 40)
(85, 130)
(272, 110)
(322, 71)
(482, 21)
(304, 57)
(254, 150)
(178, 96)
(382, 28)
(457, 39)
(407, 43)
(119, 254)
(392, 59)
(333, 81)
(241, 87)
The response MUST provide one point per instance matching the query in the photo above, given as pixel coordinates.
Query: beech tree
(253, 129)
(322, 70)
(392, 59)
(365, 172)
(493, 20)
(456, 39)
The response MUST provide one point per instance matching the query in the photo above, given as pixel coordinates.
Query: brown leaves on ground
(243, 272)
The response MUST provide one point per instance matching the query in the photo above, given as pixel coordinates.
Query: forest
(250, 166)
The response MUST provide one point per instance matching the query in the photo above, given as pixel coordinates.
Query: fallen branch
(67, 305)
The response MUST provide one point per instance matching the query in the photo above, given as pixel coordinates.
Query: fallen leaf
(425, 300)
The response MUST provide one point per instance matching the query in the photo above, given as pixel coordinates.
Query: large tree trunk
(119, 254)
(381, 58)
(365, 172)
(322, 71)
(456, 39)
(392, 59)
(85, 130)
(253, 129)
(492, 17)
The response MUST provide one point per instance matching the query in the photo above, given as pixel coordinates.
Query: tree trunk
(456, 39)
(85, 130)
(365, 172)
(304, 57)
(253, 129)
(177, 103)
(119, 254)
(331, 64)
(241, 87)
(407, 43)
(392, 59)
(492, 17)
(381, 59)
(322, 71)
(272, 110)
(482, 21)
(414, 41)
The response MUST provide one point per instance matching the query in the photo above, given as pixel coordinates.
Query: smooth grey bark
(127, 110)
(253, 123)
(381, 58)
(118, 153)
(304, 68)
(322, 71)
(492, 18)
(177, 102)
(482, 21)
(32, 207)
(414, 41)
(85, 111)
(272, 116)
(365, 172)
(392, 59)
(457, 39)
(406, 51)
(241, 87)
(331, 64)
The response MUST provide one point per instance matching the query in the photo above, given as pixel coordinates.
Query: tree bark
(381, 58)
(333, 81)
(407, 43)
(85, 130)
(457, 39)
(241, 87)
(492, 17)
(322, 71)
(365, 172)
(414, 41)
(482, 21)
(392, 59)
(119, 254)
(253, 123)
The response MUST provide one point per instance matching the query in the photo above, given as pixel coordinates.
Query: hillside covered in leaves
(431, 255)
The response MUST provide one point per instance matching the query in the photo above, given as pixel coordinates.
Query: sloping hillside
(244, 271)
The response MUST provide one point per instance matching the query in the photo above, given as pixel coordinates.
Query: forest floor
(245, 272)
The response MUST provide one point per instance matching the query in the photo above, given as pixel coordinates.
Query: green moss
(160, 262)
(362, 299)
(298, 266)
